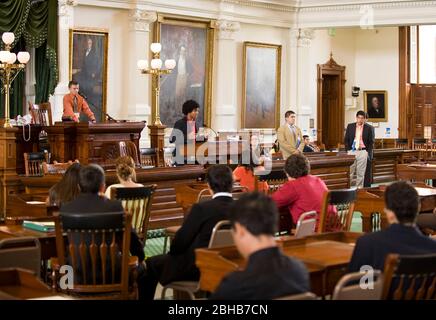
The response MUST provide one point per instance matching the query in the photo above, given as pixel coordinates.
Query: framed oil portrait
(376, 105)
(88, 66)
(190, 42)
(261, 85)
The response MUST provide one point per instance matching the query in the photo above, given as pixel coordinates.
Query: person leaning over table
(269, 274)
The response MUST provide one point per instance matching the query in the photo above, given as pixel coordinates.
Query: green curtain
(34, 26)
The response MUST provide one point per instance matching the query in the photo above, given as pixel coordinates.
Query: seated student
(401, 237)
(244, 174)
(67, 189)
(125, 167)
(179, 263)
(269, 274)
(92, 182)
(303, 192)
(308, 147)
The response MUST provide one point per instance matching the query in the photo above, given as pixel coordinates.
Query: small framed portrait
(88, 66)
(376, 105)
(261, 85)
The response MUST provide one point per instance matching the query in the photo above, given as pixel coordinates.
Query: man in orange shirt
(74, 104)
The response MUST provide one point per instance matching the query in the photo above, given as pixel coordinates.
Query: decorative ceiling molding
(373, 4)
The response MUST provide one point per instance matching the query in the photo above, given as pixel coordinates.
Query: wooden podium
(85, 141)
(213, 151)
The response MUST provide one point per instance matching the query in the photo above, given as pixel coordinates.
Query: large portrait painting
(261, 83)
(88, 66)
(190, 43)
(376, 105)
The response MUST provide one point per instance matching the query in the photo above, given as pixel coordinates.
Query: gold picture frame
(256, 80)
(89, 67)
(175, 32)
(376, 105)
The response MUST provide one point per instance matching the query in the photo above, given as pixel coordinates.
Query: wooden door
(331, 110)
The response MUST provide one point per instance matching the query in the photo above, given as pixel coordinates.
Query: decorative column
(66, 21)
(301, 80)
(225, 115)
(138, 86)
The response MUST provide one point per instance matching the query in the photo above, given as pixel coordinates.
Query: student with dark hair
(195, 232)
(92, 184)
(302, 192)
(289, 136)
(307, 146)
(67, 189)
(401, 237)
(269, 273)
(185, 129)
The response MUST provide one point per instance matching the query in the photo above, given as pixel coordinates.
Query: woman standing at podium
(185, 129)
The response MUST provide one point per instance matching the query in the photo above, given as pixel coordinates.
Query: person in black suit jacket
(401, 237)
(355, 134)
(92, 184)
(195, 232)
(185, 129)
(269, 273)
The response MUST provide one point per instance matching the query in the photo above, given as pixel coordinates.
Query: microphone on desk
(109, 117)
(83, 95)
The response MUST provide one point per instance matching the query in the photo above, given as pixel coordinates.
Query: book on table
(43, 226)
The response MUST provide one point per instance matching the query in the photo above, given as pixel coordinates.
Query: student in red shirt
(303, 192)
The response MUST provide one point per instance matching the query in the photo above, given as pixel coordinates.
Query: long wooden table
(326, 257)
(419, 172)
(370, 202)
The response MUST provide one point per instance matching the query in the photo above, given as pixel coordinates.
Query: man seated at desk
(307, 146)
(269, 273)
(185, 129)
(402, 237)
(74, 104)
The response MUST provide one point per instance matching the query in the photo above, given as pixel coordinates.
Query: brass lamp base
(7, 123)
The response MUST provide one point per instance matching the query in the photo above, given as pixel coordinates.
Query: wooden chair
(402, 144)
(128, 148)
(275, 180)
(57, 167)
(24, 253)
(137, 201)
(348, 287)
(96, 246)
(306, 224)
(33, 163)
(41, 113)
(299, 296)
(410, 277)
(149, 157)
(344, 201)
(421, 145)
(221, 236)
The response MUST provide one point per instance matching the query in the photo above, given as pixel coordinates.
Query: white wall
(371, 60)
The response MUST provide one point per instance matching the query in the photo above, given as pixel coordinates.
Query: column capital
(227, 29)
(65, 7)
(303, 37)
(140, 20)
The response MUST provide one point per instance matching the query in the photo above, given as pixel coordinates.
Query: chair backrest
(410, 277)
(401, 143)
(237, 192)
(148, 156)
(299, 296)
(96, 246)
(24, 253)
(221, 235)
(275, 180)
(57, 167)
(343, 200)
(419, 143)
(41, 113)
(128, 148)
(306, 224)
(433, 147)
(349, 287)
(33, 163)
(136, 201)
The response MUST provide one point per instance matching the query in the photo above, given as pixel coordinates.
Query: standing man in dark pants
(368, 173)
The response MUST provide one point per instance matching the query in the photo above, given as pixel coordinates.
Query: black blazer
(90, 203)
(372, 249)
(182, 125)
(368, 137)
(195, 233)
(269, 274)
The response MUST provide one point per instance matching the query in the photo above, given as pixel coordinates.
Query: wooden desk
(24, 146)
(370, 202)
(20, 284)
(46, 239)
(214, 151)
(83, 141)
(326, 257)
(417, 172)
